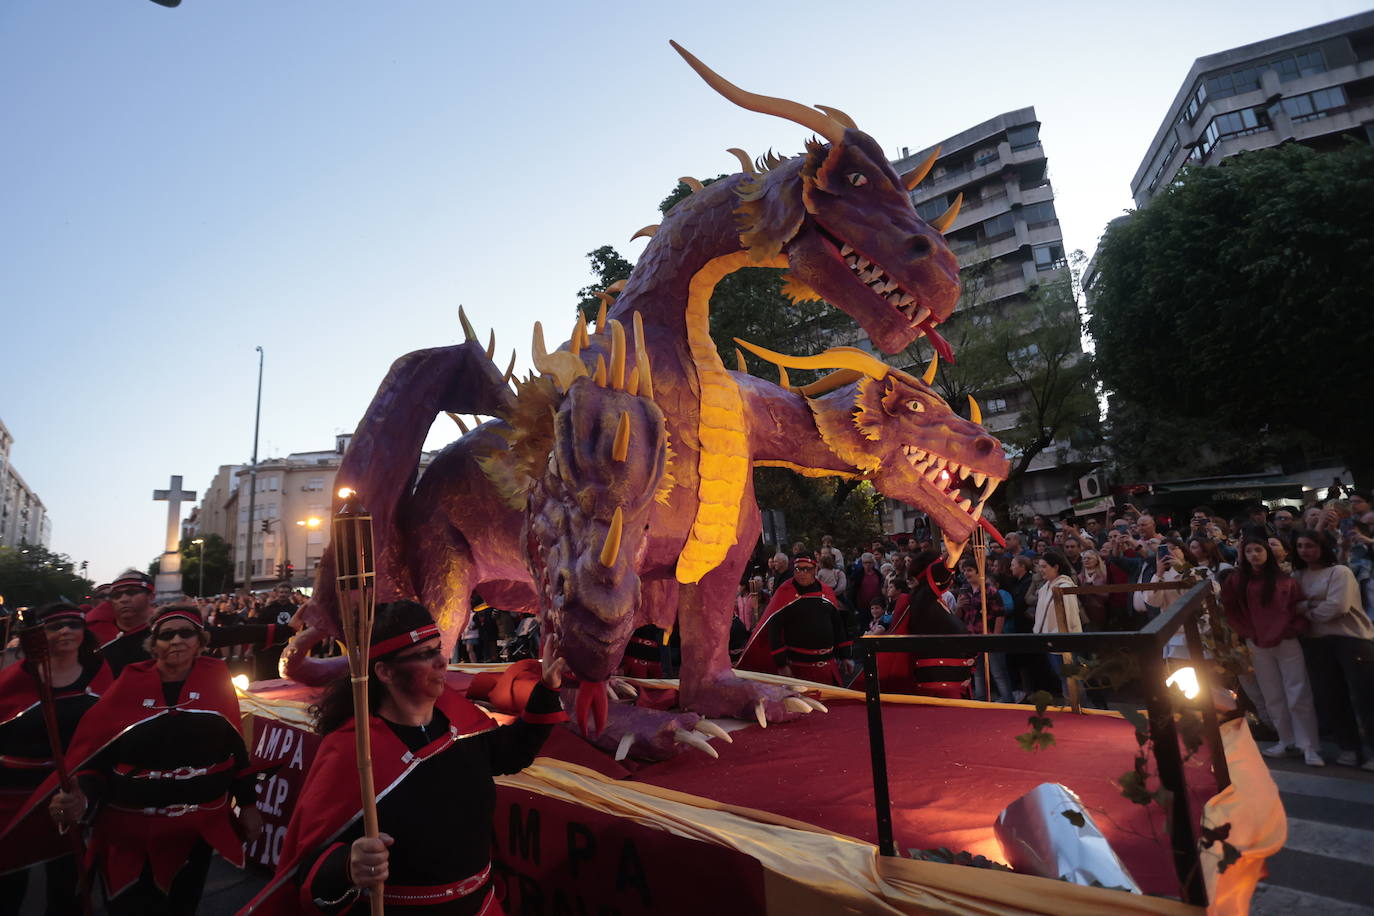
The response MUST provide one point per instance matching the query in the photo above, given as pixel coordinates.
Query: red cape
(19, 691)
(331, 799)
(758, 653)
(100, 620)
(135, 698)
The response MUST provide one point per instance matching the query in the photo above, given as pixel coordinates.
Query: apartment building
(23, 518)
(1008, 241)
(1314, 86)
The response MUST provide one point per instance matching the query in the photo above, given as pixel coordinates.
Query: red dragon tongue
(939, 343)
(591, 700)
(992, 530)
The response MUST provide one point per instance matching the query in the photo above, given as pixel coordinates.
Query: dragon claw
(706, 726)
(797, 704)
(760, 715)
(622, 750)
(693, 739)
(814, 703)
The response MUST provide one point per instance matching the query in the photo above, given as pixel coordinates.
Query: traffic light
(290, 571)
(281, 570)
(266, 526)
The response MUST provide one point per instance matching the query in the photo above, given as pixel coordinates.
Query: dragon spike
(809, 118)
(459, 420)
(837, 379)
(468, 332)
(611, 549)
(783, 380)
(929, 377)
(975, 413)
(621, 449)
(580, 332)
(740, 364)
(746, 164)
(491, 344)
(616, 287)
(642, 358)
(617, 377)
(510, 370)
(834, 358)
(647, 232)
(600, 375)
(563, 366)
(601, 312)
(914, 177)
(575, 341)
(946, 219)
(632, 382)
(838, 115)
(692, 184)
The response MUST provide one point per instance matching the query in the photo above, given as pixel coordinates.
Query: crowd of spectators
(1295, 584)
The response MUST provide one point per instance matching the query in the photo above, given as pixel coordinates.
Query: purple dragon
(615, 487)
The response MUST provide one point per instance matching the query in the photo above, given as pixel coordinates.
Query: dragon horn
(621, 448)
(946, 219)
(563, 366)
(692, 184)
(617, 377)
(838, 115)
(783, 380)
(642, 358)
(611, 549)
(835, 357)
(740, 364)
(583, 338)
(746, 164)
(491, 344)
(616, 287)
(511, 368)
(975, 413)
(914, 177)
(647, 232)
(468, 332)
(600, 375)
(820, 122)
(575, 341)
(632, 382)
(601, 312)
(459, 420)
(929, 377)
(837, 379)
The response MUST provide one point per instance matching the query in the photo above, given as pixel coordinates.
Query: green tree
(1230, 316)
(608, 266)
(217, 566)
(31, 575)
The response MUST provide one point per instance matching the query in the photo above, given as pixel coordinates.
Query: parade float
(612, 489)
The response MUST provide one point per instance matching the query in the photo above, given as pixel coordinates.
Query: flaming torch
(356, 576)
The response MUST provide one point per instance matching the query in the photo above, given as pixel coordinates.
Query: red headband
(387, 646)
(179, 614)
(64, 615)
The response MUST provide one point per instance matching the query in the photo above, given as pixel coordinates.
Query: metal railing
(1146, 644)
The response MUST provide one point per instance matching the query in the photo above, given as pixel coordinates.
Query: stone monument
(168, 584)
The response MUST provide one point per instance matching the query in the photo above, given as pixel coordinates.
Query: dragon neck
(723, 462)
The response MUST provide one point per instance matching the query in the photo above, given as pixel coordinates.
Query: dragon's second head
(843, 220)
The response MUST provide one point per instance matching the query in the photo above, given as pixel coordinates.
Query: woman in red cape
(434, 754)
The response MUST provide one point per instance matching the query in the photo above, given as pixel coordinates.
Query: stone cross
(169, 570)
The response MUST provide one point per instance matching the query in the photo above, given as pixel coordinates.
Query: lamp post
(310, 524)
(200, 543)
(253, 485)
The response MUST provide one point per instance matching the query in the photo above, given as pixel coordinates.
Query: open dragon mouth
(966, 489)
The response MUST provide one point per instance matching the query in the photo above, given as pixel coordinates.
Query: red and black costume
(644, 652)
(802, 628)
(158, 762)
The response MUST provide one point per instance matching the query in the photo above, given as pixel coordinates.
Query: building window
(1038, 214)
(1049, 257)
(1312, 105)
(1023, 137)
(1233, 124)
(1297, 65)
(996, 405)
(932, 209)
(985, 157)
(1246, 79)
(239, 573)
(999, 227)
(314, 484)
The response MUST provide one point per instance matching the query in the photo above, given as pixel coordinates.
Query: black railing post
(1169, 766)
(877, 746)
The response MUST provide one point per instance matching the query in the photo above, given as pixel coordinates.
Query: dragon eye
(857, 179)
(915, 406)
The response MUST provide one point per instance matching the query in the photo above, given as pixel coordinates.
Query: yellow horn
(600, 375)
(838, 115)
(621, 448)
(456, 419)
(601, 312)
(975, 413)
(491, 344)
(617, 377)
(575, 341)
(616, 287)
(563, 366)
(583, 338)
(929, 377)
(809, 118)
(837, 379)
(647, 232)
(746, 164)
(646, 382)
(611, 549)
(914, 177)
(692, 184)
(946, 219)
(834, 358)
(783, 380)
(510, 370)
(740, 364)
(632, 382)
(468, 332)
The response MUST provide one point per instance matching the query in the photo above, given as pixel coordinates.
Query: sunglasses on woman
(59, 625)
(169, 635)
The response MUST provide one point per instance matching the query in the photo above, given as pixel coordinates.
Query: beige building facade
(23, 517)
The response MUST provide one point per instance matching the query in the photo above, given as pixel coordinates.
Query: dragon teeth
(921, 315)
(966, 505)
(979, 478)
(847, 250)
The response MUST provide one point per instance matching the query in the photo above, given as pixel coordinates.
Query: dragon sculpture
(615, 488)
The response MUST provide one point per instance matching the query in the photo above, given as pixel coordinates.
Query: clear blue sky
(331, 178)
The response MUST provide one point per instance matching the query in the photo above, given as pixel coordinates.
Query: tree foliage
(1230, 315)
(217, 566)
(31, 575)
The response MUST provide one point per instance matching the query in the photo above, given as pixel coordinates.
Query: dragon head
(842, 218)
(899, 433)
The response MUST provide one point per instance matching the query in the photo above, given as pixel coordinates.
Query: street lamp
(200, 542)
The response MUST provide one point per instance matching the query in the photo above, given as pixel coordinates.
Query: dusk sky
(329, 179)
